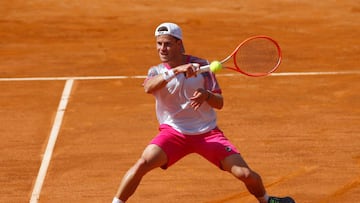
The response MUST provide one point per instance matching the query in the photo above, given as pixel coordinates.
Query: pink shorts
(213, 145)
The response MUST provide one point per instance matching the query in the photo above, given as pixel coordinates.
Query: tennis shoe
(281, 200)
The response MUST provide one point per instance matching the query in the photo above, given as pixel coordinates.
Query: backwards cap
(169, 29)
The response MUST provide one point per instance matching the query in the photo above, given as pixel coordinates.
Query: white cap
(169, 29)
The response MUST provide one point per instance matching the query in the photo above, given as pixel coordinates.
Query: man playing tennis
(185, 105)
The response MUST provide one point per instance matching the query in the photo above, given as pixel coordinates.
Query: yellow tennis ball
(215, 66)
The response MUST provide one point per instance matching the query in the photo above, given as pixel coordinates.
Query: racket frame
(237, 68)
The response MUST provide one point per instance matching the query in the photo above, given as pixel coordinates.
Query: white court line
(52, 140)
(142, 76)
(71, 78)
(316, 73)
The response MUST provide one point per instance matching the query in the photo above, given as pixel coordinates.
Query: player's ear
(180, 43)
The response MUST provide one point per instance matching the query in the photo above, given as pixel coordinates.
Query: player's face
(168, 47)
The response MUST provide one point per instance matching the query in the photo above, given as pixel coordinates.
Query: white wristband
(168, 75)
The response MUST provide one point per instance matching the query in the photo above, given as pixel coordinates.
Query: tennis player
(185, 104)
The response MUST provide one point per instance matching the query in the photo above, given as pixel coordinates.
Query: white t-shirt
(173, 104)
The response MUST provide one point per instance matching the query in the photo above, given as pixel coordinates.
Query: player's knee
(140, 167)
(242, 173)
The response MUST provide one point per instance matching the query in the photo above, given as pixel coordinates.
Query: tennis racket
(256, 56)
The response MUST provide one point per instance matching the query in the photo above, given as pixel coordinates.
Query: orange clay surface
(301, 133)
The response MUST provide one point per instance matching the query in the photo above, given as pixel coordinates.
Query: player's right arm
(153, 83)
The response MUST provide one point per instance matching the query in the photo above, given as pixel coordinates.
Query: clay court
(71, 74)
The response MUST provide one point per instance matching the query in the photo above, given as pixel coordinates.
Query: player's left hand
(198, 98)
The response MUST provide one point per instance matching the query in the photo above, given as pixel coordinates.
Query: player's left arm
(210, 93)
(215, 100)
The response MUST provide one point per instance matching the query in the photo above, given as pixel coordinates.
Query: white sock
(117, 200)
(263, 199)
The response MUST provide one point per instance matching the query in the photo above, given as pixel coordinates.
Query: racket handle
(203, 69)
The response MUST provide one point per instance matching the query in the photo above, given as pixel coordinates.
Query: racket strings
(258, 56)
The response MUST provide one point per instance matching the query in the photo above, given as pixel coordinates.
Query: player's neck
(181, 60)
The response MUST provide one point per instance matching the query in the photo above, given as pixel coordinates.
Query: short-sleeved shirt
(173, 104)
